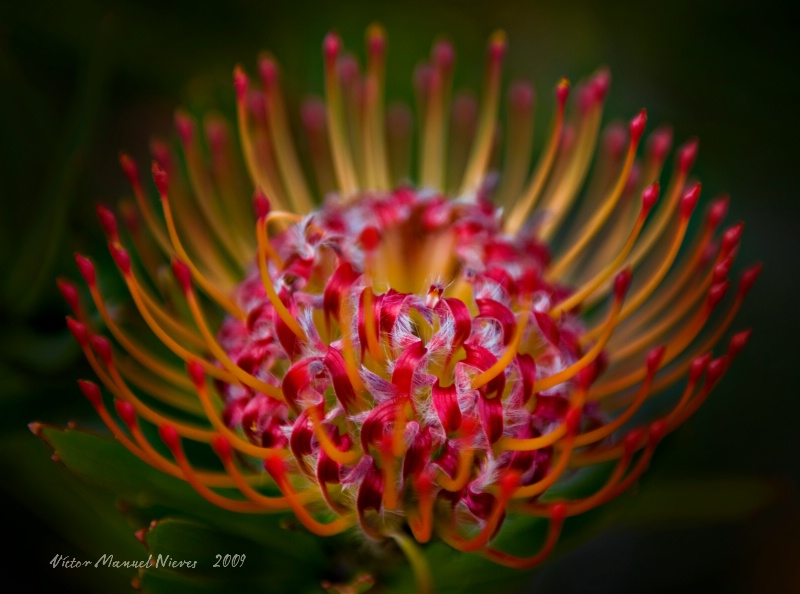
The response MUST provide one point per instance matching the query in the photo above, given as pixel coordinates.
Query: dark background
(81, 80)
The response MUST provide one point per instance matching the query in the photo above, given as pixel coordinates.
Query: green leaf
(194, 557)
(109, 464)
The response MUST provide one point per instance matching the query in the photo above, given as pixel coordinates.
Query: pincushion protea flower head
(415, 354)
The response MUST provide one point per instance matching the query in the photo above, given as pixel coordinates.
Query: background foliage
(82, 80)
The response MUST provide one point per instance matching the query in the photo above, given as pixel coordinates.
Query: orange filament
(375, 159)
(463, 473)
(125, 393)
(276, 469)
(219, 353)
(234, 505)
(168, 341)
(580, 506)
(468, 545)
(571, 371)
(337, 133)
(259, 176)
(370, 329)
(487, 122)
(601, 277)
(676, 346)
(553, 474)
(507, 357)
(673, 288)
(284, 149)
(530, 444)
(352, 367)
(421, 522)
(170, 320)
(652, 283)
(280, 308)
(280, 503)
(144, 207)
(662, 219)
(563, 188)
(209, 288)
(588, 232)
(506, 560)
(241, 444)
(348, 458)
(156, 460)
(205, 198)
(524, 205)
(163, 392)
(148, 360)
(609, 428)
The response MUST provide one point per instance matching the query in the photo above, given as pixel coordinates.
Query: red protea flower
(412, 359)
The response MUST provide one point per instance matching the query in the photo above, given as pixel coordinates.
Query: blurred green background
(82, 80)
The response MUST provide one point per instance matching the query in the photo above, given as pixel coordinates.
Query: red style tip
(370, 238)
(185, 127)
(70, 294)
(738, 342)
(573, 419)
(183, 275)
(632, 439)
(509, 482)
(121, 258)
(659, 143)
(637, 126)
(721, 271)
(261, 205)
(689, 200)
(78, 330)
(274, 466)
(497, 46)
(716, 368)
(268, 70)
(650, 197)
(717, 212)
(698, 368)
(687, 155)
(221, 447)
(657, 431)
(716, 293)
(558, 511)
(376, 40)
(521, 95)
(731, 238)
(443, 55)
(126, 412)
(86, 268)
(102, 346)
(169, 435)
(92, 392)
(108, 222)
(129, 169)
(331, 46)
(622, 283)
(239, 83)
(562, 93)
(600, 84)
(654, 358)
(162, 154)
(161, 178)
(196, 374)
(749, 278)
